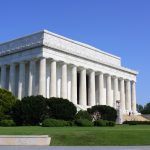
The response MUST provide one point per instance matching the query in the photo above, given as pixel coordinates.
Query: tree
(103, 112)
(146, 109)
(59, 108)
(32, 109)
(83, 115)
(139, 108)
(7, 101)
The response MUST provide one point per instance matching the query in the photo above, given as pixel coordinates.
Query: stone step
(134, 118)
(25, 140)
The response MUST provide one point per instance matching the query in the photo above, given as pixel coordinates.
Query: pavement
(74, 147)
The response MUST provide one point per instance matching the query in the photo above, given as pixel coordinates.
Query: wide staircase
(135, 118)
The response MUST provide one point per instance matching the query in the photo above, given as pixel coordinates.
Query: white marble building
(54, 66)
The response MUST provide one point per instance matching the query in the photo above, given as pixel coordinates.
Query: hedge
(59, 108)
(103, 112)
(7, 101)
(83, 115)
(137, 122)
(54, 123)
(7, 123)
(83, 123)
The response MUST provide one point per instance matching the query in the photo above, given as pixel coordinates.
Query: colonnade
(14, 77)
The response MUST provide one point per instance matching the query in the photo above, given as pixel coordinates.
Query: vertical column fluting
(32, 69)
(21, 84)
(64, 88)
(91, 89)
(133, 101)
(108, 93)
(74, 84)
(101, 89)
(53, 79)
(122, 95)
(12, 78)
(128, 95)
(42, 77)
(82, 88)
(115, 92)
(3, 76)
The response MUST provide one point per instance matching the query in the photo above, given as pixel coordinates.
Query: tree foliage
(146, 109)
(7, 101)
(31, 110)
(103, 112)
(139, 108)
(83, 115)
(59, 108)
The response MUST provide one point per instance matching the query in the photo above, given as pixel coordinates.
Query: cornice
(54, 41)
(20, 44)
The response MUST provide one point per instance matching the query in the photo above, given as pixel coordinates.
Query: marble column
(115, 91)
(3, 76)
(21, 84)
(133, 100)
(108, 93)
(101, 89)
(82, 88)
(74, 84)
(128, 95)
(42, 77)
(122, 95)
(32, 69)
(64, 88)
(12, 78)
(53, 79)
(91, 89)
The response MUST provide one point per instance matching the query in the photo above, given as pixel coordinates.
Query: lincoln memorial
(51, 65)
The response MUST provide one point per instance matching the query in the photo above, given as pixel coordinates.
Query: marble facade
(51, 65)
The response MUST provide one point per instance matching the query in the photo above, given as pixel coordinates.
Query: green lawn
(119, 135)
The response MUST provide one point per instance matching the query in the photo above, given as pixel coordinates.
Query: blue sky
(120, 27)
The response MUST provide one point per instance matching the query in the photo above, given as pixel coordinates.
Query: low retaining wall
(25, 140)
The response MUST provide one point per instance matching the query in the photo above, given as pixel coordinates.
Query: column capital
(133, 82)
(90, 70)
(62, 62)
(107, 75)
(114, 77)
(127, 80)
(22, 62)
(82, 68)
(33, 59)
(121, 79)
(3, 65)
(73, 65)
(100, 72)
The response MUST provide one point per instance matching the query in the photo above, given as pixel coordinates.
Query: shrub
(100, 123)
(83, 115)
(137, 122)
(71, 123)
(110, 123)
(33, 109)
(17, 113)
(83, 123)
(104, 123)
(7, 123)
(54, 123)
(103, 112)
(7, 100)
(59, 108)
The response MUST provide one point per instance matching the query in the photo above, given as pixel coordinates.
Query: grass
(121, 135)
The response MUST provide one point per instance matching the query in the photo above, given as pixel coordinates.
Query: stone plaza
(51, 65)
